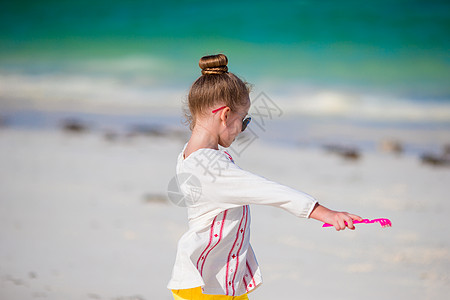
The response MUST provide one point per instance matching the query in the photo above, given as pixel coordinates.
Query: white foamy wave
(86, 93)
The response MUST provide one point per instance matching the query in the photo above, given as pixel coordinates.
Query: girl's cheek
(239, 127)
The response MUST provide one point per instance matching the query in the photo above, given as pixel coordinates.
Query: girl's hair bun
(213, 64)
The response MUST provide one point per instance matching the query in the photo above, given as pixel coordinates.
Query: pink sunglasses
(245, 122)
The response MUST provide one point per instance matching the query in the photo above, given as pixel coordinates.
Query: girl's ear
(224, 115)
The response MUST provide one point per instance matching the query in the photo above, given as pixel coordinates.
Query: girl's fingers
(355, 217)
(343, 220)
(340, 224)
(350, 223)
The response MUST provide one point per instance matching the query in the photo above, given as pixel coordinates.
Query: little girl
(214, 257)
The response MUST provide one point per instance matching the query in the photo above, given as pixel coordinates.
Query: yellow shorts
(196, 294)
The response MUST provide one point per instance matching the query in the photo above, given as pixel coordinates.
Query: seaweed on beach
(74, 126)
(438, 160)
(348, 153)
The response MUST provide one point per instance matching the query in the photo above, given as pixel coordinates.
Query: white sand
(74, 223)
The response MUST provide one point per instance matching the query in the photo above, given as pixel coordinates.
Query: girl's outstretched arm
(339, 220)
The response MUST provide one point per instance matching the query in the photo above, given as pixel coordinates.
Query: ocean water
(376, 62)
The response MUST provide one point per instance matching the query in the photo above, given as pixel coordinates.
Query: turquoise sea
(377, 62)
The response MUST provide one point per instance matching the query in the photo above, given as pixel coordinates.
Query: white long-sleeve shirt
(215, 253)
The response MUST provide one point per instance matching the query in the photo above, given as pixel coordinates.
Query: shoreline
(366, 136)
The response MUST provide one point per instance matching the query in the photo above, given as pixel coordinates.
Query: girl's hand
(340, 220)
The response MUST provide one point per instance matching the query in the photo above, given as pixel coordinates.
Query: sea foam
(94, 93)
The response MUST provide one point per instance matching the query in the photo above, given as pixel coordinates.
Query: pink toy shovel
(383, 222)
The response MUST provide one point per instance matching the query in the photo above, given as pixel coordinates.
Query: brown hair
(215, 86)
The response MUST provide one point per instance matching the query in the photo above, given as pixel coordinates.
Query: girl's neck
(201, 138)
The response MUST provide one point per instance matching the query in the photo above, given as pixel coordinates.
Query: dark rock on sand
(157, 130)
(74, 126)
(148, 130)
(439, 159)
(347, 153)
(436, 159)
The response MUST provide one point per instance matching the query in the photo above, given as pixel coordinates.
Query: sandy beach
(86, 217)
(350, 104)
